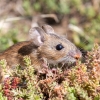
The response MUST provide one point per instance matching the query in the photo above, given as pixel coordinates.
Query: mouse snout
(75, 54)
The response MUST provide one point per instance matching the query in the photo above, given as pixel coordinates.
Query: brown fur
(14, 55)
(41, 44)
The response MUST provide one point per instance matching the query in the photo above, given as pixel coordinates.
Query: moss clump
(81, 82)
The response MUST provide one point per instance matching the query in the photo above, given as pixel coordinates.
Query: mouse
(43, 43)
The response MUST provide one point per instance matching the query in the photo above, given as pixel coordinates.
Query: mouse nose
(75, 54)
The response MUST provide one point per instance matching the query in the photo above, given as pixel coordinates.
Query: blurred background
(77, 20)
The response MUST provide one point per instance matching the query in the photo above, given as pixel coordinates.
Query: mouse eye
(59, 47)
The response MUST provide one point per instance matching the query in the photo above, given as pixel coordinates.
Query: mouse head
(55, 48)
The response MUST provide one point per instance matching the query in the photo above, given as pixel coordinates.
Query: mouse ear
(37, 35)
(48, 29)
